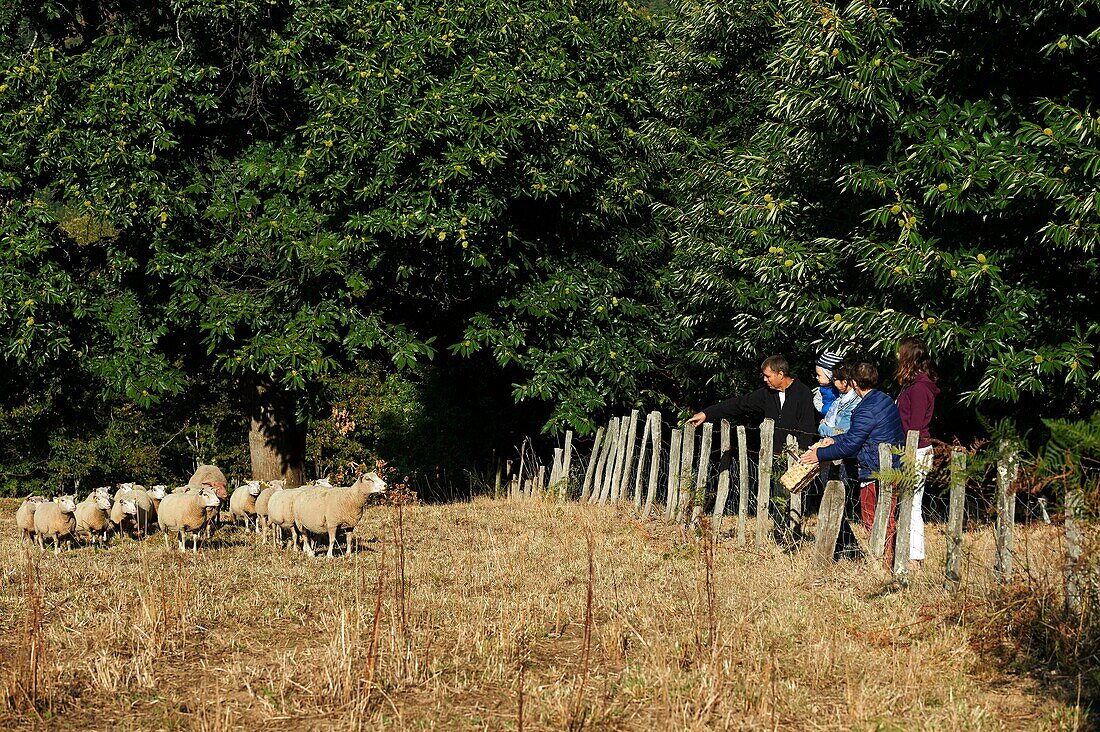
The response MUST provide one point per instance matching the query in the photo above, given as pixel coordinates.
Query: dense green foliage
(908, 169)
(596, 204)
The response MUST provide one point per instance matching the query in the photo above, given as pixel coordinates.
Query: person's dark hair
(778, 364)
(865, 375)
(913, 360)
(842, 371)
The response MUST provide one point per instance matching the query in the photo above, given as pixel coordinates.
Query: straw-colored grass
(495, 597)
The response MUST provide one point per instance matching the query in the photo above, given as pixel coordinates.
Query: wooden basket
(800, 475)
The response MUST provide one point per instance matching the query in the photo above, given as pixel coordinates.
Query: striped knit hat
(828, 361)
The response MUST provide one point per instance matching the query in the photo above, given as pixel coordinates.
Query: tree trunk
(276, 442)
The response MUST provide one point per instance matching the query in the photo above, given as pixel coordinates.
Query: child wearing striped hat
(826, 393)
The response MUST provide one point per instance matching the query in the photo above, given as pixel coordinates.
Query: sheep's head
(67, 503)
(208, 497)
(370, 483)
(104, 491)
(158, 491)
(101, 502)
(322, 483)
(128, 505)
(127, 486)
(277, 484)
(254, 487)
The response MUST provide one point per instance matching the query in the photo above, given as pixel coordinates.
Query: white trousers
(916, 525)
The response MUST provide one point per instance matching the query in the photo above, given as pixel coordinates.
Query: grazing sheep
(188, 514)
(326, 511)
(24, 518)
(242, 504)
(54, 519)
(93, 518)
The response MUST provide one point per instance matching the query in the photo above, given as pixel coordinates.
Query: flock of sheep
(296, 517)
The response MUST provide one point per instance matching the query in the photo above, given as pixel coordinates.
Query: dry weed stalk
(577, 717)
(26, 688)
(372, 650)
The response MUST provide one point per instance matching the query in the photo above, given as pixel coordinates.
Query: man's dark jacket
(797, 415)
(874, 421)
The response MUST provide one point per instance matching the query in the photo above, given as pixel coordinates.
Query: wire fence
(682, 473)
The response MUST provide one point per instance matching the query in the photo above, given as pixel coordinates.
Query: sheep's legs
(331, 541)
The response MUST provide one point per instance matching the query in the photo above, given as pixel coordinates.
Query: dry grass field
(483, 626)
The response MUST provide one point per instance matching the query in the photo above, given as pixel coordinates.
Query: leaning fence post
(1074, 548)
(906, 492)
(628, 462)
(522, 464)
(956, 516)
(641, 462)
(620, 462)
(884, 499)
(1007, 467)
(743, 484)
(698, 496)
(605, 456)
(555, 470)
(590, 471)
(673, 473)
(567, 457)
(654, 463)
(829, 519)
(764, 489)
(724, 467)
(794, 500)
(604, 476)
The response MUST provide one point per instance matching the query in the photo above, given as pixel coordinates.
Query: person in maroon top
(916, 402)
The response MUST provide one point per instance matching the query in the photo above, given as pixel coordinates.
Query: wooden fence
(626, 464)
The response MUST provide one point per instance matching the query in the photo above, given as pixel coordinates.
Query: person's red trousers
(868, 497)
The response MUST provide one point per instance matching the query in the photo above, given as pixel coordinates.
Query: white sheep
(93, 518)
(55, 520)
(188, 514)
(327, 511)
(262, 501)
(139, 518)
(24, 518)
(242, 504)
(280, 514)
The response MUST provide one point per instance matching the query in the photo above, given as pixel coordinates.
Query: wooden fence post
(673, 473)
(794, 500)
(724, 468)
(590, 471)
(555, 470)
(906, 493)
(829, 519)
(522, 464)
(638, 472)
(687, 474)
(699, 495)
(1007, 467)
(628, 462)
(884, 499)
(499, 478)
(612, 452)
(620, 460)
(566, 465)
(1074, 547)
(764, 489)
(605, 455)
(743, 484)
(956, 517)
(654, 464)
